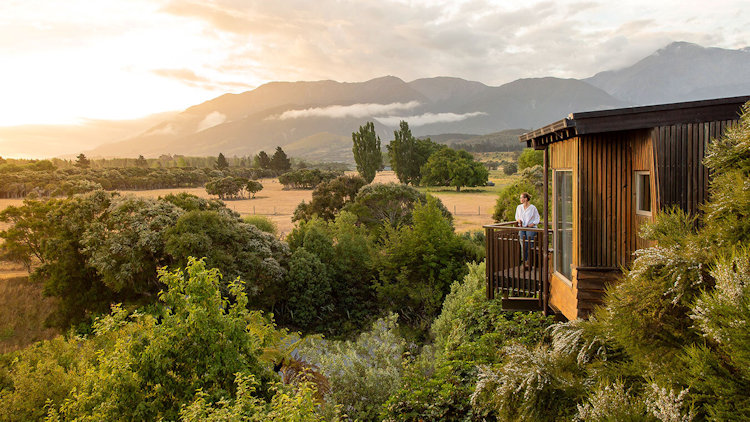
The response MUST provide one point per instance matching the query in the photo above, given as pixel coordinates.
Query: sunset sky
(78, 61)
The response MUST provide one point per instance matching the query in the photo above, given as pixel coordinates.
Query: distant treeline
(56, 177)
(506, 140)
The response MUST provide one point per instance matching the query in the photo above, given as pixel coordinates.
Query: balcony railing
(508, 274)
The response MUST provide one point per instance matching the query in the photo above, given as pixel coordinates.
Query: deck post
(545, 236)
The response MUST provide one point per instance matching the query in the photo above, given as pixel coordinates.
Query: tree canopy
(280, 162)
(408, 154)
(448, 167)
(367, 152)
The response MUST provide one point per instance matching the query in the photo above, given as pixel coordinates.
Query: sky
(74, 62)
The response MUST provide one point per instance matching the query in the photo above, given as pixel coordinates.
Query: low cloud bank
(428, 118)
(354, 110)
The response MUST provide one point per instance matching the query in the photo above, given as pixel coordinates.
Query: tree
(389, 204)
(418, 265)
(510, 168)
(253, 187)
(367, 152)
(221, 162)
(530, 158)
(407, 154)
(280, 162)
(141, 162)
(328, 198)
(448, 167)
(263, 160)
(82, 161)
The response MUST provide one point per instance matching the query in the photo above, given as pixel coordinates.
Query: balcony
(522, 286)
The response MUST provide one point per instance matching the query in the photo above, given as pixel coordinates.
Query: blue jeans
(527, 239)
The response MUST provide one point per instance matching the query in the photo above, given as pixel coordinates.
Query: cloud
(354, 110)
(167, 129)
(190, 78)
(428, 118)
(211, 120)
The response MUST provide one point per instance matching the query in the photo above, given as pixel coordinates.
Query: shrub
(510, 168)
(530, 158)
(263, 223)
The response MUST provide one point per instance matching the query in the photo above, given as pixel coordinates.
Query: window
(643, 193)
(563, 239)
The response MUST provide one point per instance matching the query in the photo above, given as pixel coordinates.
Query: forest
(372, 308)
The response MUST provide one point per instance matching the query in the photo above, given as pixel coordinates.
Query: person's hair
(526, 194)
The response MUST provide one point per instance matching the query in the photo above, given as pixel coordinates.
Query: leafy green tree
(263, 223)
(530, 158)
(198, 344)
(389, 203)
(418, 265)
(82, 161)
(238, 249)
(253, 187)
(141, 162)
(448, 167)
(126, 244)
(330, 276)
(510, 169)
(280, 162)
(221, 162)
(508, 200)
(226, 187)
(263, 160)
(307, 178)
(367, 152)
(328, 198)
(408, 154)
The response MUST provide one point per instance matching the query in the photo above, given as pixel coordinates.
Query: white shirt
(527, 216)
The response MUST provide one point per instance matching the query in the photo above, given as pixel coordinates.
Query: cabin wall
(608, 221)
(679, 150)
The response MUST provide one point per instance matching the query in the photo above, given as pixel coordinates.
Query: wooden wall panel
(682, 179)
(608, 227)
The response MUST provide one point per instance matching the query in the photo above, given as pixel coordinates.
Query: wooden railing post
(545, 239)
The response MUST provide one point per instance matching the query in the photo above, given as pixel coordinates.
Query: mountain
(678, 72)
(314, 120)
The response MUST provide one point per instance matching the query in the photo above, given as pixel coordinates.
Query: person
(526, 216)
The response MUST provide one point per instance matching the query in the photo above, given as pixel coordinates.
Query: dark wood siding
(682, 179)
(608, 224)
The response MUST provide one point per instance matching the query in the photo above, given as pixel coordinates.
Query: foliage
(530, 157)
(367, 152)
(510, 169)
(389, 203)
(330, 276)
(263, 223)
(507, 201)
(82, 161)
(238, 249)
(613, 403)
(156, 365)
(262, 160)
(226, 187)
(418, 265)
(307, 178)
(280, 162)
(408, 154)
(362, 373)
(448, 167)
(328, 198)
(221, 162)
(253, 187)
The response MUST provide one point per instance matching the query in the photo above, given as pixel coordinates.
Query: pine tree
(221, 162)
(280, 162)
(82, 161)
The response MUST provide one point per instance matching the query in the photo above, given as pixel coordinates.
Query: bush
(507, 201)
(510, 169)
(530, 158)
(329, 198)
(362, 373)
(263, 223)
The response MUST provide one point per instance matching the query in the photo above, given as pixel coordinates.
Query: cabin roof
(630, 118)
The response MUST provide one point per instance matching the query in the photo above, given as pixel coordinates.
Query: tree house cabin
(610, 171)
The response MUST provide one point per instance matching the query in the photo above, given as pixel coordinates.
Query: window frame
(555, 230)
(637, 175)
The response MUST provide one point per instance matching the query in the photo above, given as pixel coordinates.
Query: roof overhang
(635, 118)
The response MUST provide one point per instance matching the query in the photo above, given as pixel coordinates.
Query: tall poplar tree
(366, 151)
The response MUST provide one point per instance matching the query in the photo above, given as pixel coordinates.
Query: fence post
(253, 209)
(454, 210)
